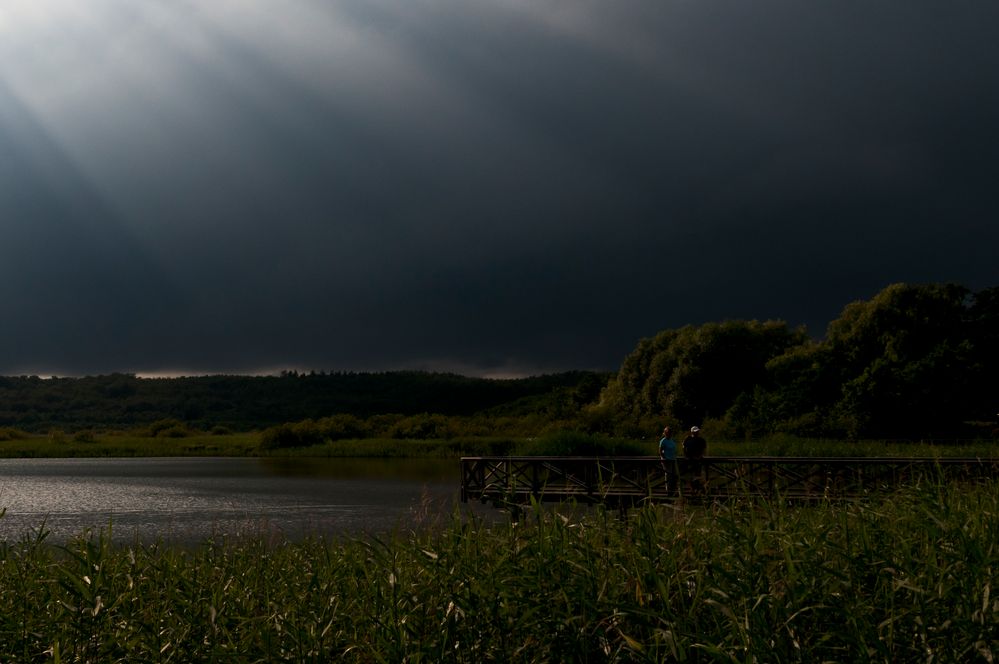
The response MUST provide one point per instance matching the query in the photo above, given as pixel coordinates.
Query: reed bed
(793, 446)
(902, 578)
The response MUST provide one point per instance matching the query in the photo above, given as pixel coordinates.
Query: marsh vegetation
(907, 577)
(18, 444)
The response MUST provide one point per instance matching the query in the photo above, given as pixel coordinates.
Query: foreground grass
(906, 578)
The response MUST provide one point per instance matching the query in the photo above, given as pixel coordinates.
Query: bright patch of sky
(493, 185)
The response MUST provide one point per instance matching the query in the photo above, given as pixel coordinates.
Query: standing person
(694, 447)
(667, 458)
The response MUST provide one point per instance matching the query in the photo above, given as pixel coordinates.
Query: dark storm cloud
(491, 186)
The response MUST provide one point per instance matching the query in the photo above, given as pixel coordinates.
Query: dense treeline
(914, 361)
(249, 402)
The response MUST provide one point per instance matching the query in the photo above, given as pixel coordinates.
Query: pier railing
(635, 479)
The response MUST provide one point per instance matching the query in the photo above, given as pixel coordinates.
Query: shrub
(575, 443)
(84, 436)
(380, 425)
(300, 434)
(343, 426)
(422, 427)
(158, 428)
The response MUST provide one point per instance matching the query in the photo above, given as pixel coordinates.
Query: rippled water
(190, 499)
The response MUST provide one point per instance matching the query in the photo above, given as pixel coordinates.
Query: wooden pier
(631, 480)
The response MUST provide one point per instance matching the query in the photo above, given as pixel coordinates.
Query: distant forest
(913, 362)
(242, 403)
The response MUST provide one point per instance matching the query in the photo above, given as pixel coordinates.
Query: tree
(894, 366)
(694, 373)
(916, 360)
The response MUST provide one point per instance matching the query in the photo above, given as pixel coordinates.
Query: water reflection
(189, 499)
(427, 470)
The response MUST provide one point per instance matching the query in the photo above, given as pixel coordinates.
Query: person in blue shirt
(667, 457)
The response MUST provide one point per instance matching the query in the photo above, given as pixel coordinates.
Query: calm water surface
(190, 499)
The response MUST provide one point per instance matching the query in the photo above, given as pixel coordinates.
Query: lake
(190, 499)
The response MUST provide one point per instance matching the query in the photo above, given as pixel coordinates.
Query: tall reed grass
(787, 445)
(907, 578)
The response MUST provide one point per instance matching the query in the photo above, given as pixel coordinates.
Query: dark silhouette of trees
(694, 373)
(255, 402)
(895, 366)
(913, 361)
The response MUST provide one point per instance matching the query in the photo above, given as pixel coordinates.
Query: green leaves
(684, 376)
(914, 361)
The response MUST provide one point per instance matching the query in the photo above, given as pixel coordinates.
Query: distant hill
(247, 402)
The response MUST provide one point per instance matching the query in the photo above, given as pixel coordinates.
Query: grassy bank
(123, 444)
(906, 579)
(191, 443)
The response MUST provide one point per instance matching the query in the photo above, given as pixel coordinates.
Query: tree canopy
(913, 361)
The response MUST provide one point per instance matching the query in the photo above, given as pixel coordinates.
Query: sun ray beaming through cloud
(494, 185)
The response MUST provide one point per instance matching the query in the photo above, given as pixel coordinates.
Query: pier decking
(629, 480)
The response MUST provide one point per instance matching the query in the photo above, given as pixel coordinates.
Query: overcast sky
(494, 187)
